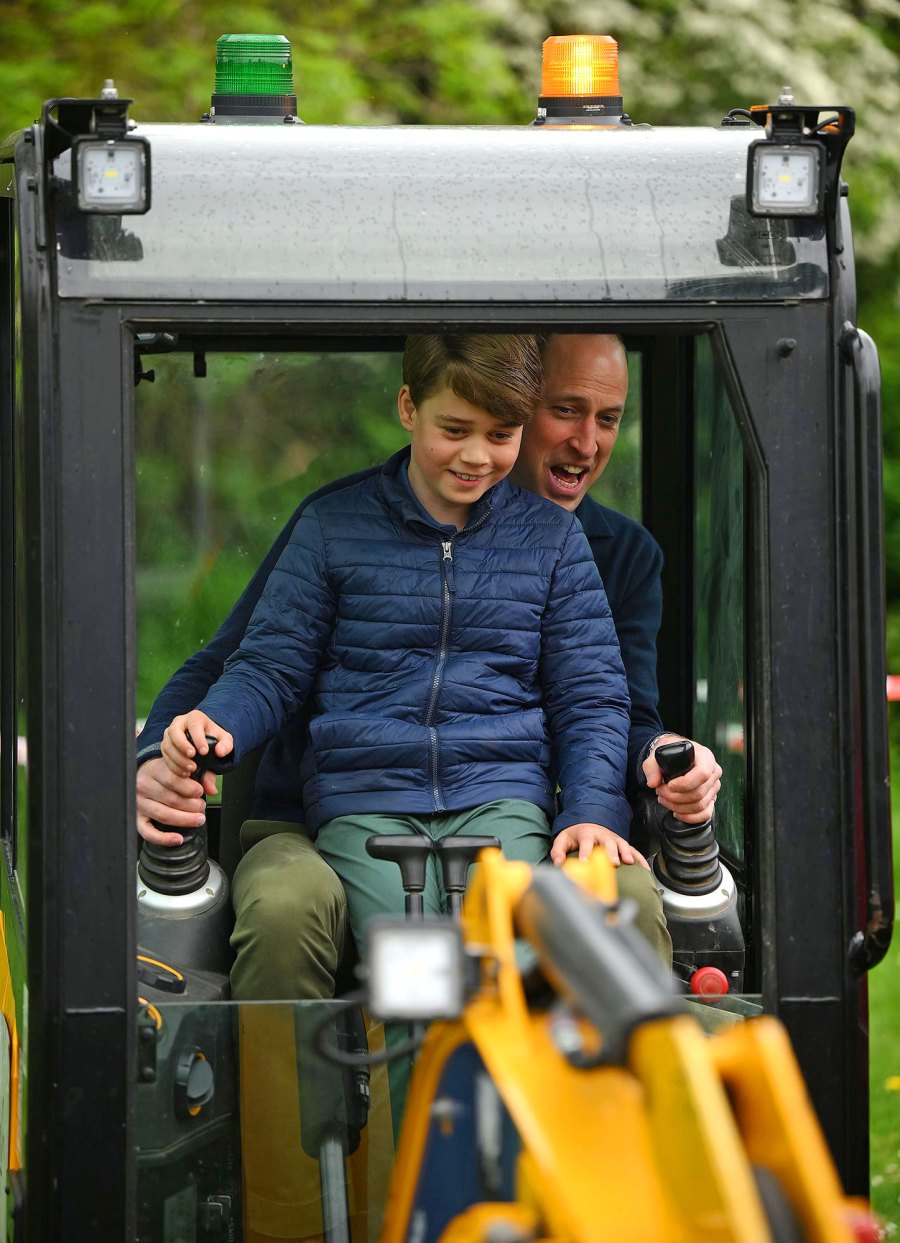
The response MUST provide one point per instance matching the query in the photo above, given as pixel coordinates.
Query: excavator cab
(200, 325)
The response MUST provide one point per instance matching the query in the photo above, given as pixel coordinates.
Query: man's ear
(406, 408)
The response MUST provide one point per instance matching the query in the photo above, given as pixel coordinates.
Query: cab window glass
(619, 486)
(719, 593)
(223, 460)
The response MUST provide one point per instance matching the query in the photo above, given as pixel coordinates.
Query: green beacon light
(254, 80)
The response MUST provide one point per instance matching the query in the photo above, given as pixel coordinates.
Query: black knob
(457, 854)
(411, 854)
(211, 762)
(674, 758)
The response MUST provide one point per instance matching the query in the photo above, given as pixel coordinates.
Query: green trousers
(373, 886)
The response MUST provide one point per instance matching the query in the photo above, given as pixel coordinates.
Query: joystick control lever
(698, 891)
(689, 853)
(184, 912)
(411, 854)
(185, 868)
(456, 855)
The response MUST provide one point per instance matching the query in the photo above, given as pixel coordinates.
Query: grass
(884, 1074)
(884, 1079)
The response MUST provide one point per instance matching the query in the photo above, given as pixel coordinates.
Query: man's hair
(500, 373)
(544, 338)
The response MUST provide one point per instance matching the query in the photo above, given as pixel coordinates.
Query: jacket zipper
(447, 588)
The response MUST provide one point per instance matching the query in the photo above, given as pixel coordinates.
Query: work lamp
(112, 175)
(786, 179)
(416, 970)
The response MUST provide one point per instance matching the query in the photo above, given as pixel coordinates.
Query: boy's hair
(500, 373)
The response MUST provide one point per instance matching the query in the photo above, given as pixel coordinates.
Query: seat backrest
(237, 804)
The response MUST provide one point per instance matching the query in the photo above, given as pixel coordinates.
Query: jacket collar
(394, 488)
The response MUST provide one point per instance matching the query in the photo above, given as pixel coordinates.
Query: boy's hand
(584, 837)
(186, 737)
(692, 796)
(171, 801)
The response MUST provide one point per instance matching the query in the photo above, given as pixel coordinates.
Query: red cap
(709, 982)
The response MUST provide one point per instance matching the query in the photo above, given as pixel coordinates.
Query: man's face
(568, 442)
(458, 452)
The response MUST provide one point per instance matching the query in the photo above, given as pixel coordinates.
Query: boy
(452, 635)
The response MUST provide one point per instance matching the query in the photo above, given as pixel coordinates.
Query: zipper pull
(447, 562)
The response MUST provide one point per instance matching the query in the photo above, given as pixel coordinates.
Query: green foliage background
(443, 61)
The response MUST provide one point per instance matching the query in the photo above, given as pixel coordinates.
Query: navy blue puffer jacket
(446, 668)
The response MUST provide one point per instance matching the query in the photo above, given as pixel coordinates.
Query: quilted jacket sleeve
(585, 694)
(271, 674)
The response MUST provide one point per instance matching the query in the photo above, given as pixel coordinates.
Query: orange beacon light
(580, 65)
(580, 81)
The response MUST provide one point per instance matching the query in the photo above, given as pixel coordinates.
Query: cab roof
(289, 212)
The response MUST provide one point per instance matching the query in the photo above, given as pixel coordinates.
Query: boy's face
(458, 452)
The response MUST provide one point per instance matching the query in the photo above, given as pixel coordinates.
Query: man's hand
(691, 796)
(584, 837)
(186, 737)
(170, 800)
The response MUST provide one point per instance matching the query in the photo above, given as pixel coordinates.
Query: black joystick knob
(456, 855)
(411, 854)
(211, 762)
(674, 758)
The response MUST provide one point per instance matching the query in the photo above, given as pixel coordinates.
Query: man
(564, 450)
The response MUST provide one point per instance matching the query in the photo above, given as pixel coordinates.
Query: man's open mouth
(568, 476)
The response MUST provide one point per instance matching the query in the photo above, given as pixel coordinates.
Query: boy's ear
(406, 408)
